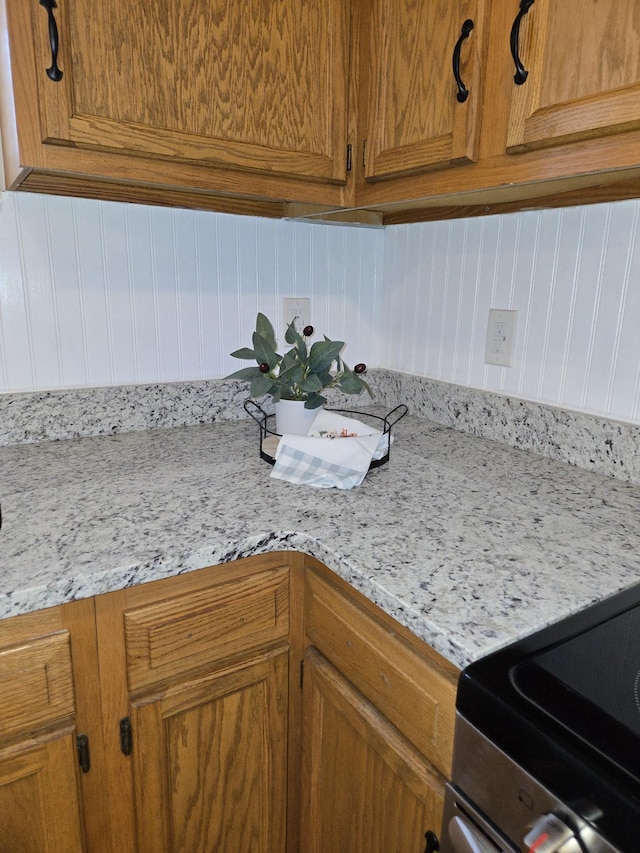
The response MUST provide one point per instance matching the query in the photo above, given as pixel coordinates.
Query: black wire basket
(269, 438)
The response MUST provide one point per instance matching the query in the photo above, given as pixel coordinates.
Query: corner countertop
(468, 543)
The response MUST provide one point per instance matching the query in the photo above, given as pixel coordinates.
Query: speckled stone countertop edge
(113, 579)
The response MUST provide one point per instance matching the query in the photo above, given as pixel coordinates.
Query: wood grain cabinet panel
(582, 73)
(40, 790)
(414, 120)
(186, 631)
(569, 134)
(414, 695)
(39, 802)
(210, 762)
(246, 100)
(36, 684)
(254, 107)
(365, 788)
(200, 81)
(377, 726)
(195, 675)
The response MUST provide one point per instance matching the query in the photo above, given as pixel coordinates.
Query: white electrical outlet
(297, 309)
(501, 333)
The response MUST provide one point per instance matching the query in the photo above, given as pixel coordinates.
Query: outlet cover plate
(501, 333)
(298, 310)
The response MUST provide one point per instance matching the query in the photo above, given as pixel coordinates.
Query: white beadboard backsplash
(573, 276)
(101, 294)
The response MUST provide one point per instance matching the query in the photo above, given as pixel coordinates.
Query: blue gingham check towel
(336, 453)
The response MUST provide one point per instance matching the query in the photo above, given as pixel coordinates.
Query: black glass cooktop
(591, 685)
(564, 703)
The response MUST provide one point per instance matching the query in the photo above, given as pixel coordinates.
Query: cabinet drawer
(36, 684)
(188, 631)
(405, 685)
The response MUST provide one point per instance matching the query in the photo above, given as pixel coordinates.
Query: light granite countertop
(469, 543)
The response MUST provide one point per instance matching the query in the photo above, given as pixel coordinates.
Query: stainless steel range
(547, 751)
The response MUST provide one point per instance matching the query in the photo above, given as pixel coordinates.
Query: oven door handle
(465, 838)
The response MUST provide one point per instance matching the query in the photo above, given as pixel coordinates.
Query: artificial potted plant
(296, 379)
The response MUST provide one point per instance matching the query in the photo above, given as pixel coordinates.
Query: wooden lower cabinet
(40, 797)
(378, 721)
(366, 789)
(202, 735)
(210, 762)
(196, 676)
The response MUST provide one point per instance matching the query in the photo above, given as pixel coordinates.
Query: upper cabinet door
(420, 75)
(259, 85)
(582, 69)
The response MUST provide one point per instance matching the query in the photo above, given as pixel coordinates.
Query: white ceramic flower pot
(292, 418)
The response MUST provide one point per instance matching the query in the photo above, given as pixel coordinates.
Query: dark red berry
(264, 367)
(307, 331)
(360, 368)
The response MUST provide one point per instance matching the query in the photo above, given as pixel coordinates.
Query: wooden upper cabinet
(238, 107)
(254, 85)
(582, 69)
(416, 116)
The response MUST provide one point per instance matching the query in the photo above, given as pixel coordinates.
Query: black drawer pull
(53, 73)
(463, 92)
(521, 72)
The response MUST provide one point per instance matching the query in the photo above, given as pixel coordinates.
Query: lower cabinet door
(365, 788)
(39, 797)
(210, 762)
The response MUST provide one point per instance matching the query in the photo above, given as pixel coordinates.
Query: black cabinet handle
(84, 758)
(53, 73)
(433, 845)
(463, 92)
(521, 72)
(126, 736)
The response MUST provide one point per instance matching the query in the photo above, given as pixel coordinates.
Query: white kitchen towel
(336, 453)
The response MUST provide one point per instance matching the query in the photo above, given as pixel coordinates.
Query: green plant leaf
(311, 383)
(323, 354)
(264, 351)
(289, 360)
(351, 383)
(301, 373)
(327, 378)
(293, 375)
(243, 352)
(300, 350)
(260, 385)
(292, 336)
(265, 330)
(314, 401)
(247, 373)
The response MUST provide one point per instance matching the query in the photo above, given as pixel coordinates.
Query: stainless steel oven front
(547, 744)
(494, 806)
